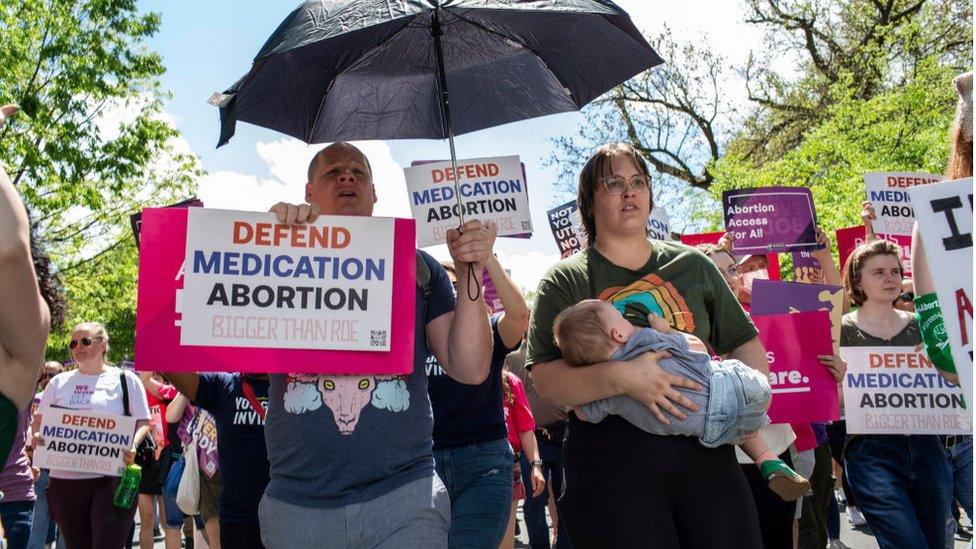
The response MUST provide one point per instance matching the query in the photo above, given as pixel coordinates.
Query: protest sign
(659, 225)
(492, 299)
(770, 219)
(897, 391)
(772, 262)
(852, 237)
(261, 297)
(565, 224)
(83, 441)
(771, 297)
(492, 189)
(206, 433)
(323, 285)
(888, 193)
(945, 222)
(803, 388)
(136, 219)
(806, 268)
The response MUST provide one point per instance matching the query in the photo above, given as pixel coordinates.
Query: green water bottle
(125, 494)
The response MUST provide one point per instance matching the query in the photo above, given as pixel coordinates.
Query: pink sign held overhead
(803, 389)
(236, 292)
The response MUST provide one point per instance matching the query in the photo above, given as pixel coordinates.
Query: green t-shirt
(678, 283)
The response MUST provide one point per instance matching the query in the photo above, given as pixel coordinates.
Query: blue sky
(206, 46)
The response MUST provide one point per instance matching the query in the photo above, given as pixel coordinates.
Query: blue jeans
(534, 509)
(961, 462)
(478, 478)
(903, 485)
(43, 530)
(17, 517)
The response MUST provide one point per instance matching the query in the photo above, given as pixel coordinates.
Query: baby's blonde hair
(581, 334)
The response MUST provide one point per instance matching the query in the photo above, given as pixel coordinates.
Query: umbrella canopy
(384, 69)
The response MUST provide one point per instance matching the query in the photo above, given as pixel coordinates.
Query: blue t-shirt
(243, 456)
(468, 414)
(337, 440)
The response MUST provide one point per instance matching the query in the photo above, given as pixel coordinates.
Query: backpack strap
(125, 393)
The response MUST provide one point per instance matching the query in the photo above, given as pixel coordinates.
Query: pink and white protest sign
(492, 189)
(852, 237)
(803, 389)
(235, 291)
(888, 193)
(897, 391)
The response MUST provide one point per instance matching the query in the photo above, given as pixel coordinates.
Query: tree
(91, 144)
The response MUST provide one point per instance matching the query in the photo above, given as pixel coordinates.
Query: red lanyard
(252, 398)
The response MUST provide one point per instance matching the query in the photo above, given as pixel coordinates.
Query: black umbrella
(386, 69)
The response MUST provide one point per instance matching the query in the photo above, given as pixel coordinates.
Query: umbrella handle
(436, 31)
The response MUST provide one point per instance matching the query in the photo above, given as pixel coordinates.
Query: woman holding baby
(624, 486)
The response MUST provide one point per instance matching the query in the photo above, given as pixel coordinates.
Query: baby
(732, 403)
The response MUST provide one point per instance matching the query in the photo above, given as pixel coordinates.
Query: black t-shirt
(468, 414)
(241, 449)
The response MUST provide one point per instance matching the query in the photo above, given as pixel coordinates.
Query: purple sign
(806, 268)
(773, 297)
(492, 298)
(770, 220)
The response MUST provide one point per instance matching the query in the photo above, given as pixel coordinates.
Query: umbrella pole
(436, 31)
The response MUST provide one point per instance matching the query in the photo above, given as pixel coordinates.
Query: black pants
(240, 535)
(813, 521)
(837, 437)
(625, 488)
(775, 515)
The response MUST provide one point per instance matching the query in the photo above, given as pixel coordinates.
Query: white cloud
(287, 160)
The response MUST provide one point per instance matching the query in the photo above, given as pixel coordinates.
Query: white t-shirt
(97, 393)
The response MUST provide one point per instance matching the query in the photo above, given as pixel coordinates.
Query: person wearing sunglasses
(81, 503)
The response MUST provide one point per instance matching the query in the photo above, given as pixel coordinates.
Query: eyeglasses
(907, 296)
(615, 184)
(85, 342)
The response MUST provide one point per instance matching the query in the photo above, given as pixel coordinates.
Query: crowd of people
(626, 409)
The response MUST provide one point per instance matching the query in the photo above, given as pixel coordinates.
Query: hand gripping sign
(223, 290)
(945, 221)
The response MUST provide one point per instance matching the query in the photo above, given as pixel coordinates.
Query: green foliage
(90, 145)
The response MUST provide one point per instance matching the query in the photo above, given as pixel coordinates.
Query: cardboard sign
(803, 388)
(275, 307)
(772, 261)
(659, 225)
(852, 237)
(945, 222)
(136, 219)
(770, 219)
(84, 442)
(897, 391)
(565, 224)
(888, 193)
(492, 189)
(771, 297)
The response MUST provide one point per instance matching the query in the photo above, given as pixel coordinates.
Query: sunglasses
(85, 342)
(907, 296)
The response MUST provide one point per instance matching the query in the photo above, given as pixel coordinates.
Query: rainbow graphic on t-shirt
(651, 294)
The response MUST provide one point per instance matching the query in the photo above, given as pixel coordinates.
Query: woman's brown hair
(855, 264)
(596, 168)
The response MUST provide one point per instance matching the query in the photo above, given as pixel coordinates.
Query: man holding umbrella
(351, 456)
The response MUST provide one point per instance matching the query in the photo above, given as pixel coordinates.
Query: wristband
(536, 463)
(932, 326)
